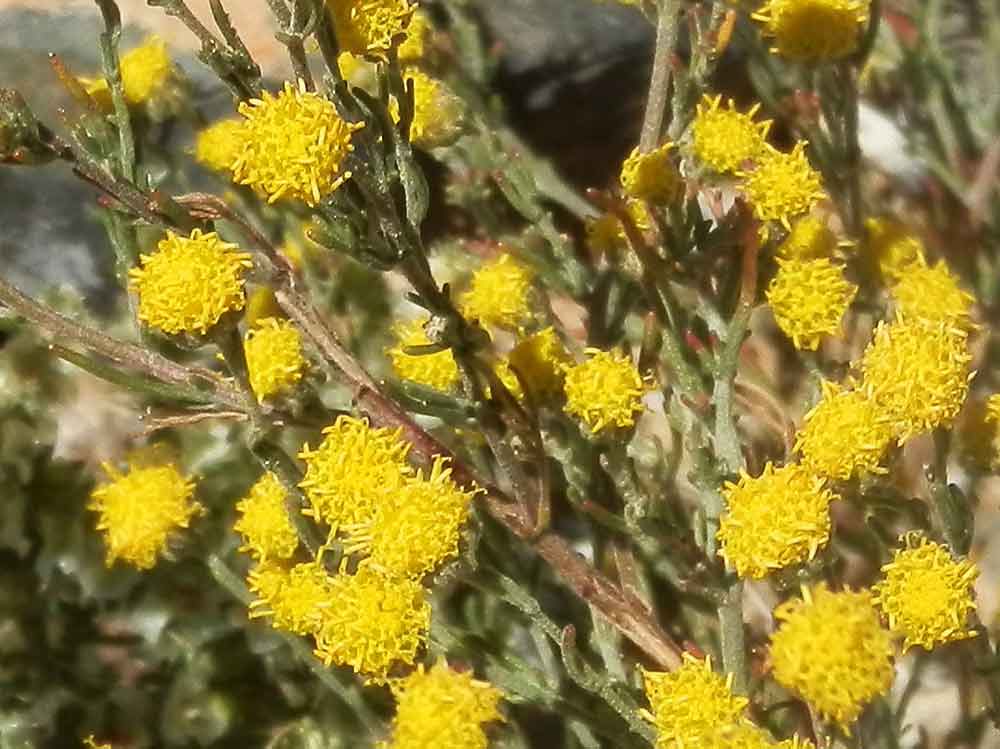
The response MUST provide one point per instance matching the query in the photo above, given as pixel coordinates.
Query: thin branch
(659, 82)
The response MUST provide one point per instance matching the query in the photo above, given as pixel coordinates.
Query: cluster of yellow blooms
(814, 31)
(148, 77)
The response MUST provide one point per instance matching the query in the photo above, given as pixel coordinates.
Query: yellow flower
(442, 708)
(274, 357)
(809, 299)
(606, 235)
(294, 146)
(832, 650)
(189, 282)
(917, 373)
(724, 138)
(267, 530)
(844, 435)
(926, 594)
(814, 30)
(509, 379)
(541, 360)
(892, 247)
(932, 293)
(373, 623)
(652, 176)
(368, 27)
(351, 470)
(809, 239)
(414, 48)
(436, 370)
(219, 145)
(775, 520)
(437, 112)
(604, 391)
(147, 74)
(499, 294)
(415, 528)
(783, 185)
(693, 706)
(137, 511)
(295, 599)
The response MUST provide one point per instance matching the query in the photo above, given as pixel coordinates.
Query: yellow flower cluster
(264, 524)
(147, 74)
(437, 112)
(604, 391)
(437, 369)
(812, 31)
(809, 299)
(605, 233)
(926, 594)
(832, 650)
(651, 176)
(293, 146)
(370, 27)
(499, 294)
(774, 520)
(931, 293)
(782, 185)
(809, 239)
(219, 145)
(891, 247)
(443, 708)
(296, 599)
(274, 357)
(139, 510)
(541, 361)
(189, 282)
(723, 138)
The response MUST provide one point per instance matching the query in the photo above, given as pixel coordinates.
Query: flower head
(274, 357)
(437, 369)
(351, 470)
(294, 146)
(892, 247)
(832, 650)
(139, 510)
(918, 374)
(693, 706)
(368, 27)
(373, 623)
(147, 74)
(264, 524)
(219, 145)
(725, 138)
(652, 176)
(541, 359)
(189, 282)
(500, 294)
(295, 599)
(604, 391)
(926, 594)
(809, 239)
(931, 293)
(414, 48)
(809, 299)
(814, 30)
(845, 434)
(783, 185)
(415, 528)
(774, 520)
(437, 112)
(442, 708)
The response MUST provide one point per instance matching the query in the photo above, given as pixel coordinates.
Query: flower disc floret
(219, 145)
(809, 239)
(724, 138)
(891, 247)
(139, 510)
(652, 176)
(437, 369)
(604, 391)
(295, 599)
(352, 470)
(926, 594)
(844, 435)
(774, 520)
(274, 357)
(374, 622)
(368, 27)
(294, 146)
(931, 293)
(499, 294)
(783, 185)
(442, 708)
(809, 299)
(832, 650)
(263, 522)
(541, 359)
(918, 373)
(814, 31)
(693, 706)
(189, 282)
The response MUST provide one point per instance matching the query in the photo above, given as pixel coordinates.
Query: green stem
(659, 81)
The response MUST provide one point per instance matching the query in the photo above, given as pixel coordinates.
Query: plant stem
(659, 81)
